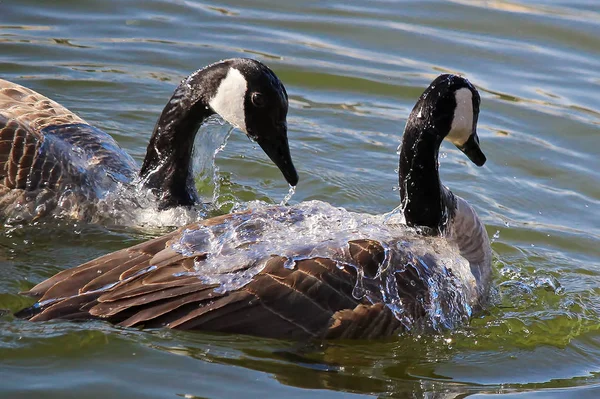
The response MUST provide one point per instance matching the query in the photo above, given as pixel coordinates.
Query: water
(353, 71)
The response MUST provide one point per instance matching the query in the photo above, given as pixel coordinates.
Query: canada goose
(51, 157)
(310, 270)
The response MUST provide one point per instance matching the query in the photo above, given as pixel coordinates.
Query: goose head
(251, 97)
(246, 94)
(449, 108)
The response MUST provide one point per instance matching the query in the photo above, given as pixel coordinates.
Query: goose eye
(258, 100)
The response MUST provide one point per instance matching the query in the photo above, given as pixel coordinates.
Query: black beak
(471, 149)
(276, 147)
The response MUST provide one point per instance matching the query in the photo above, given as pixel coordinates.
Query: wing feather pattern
(151, 285)
(50, 156)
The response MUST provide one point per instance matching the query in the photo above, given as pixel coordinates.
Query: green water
(353, 70)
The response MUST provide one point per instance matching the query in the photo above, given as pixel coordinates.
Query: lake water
(353, 70)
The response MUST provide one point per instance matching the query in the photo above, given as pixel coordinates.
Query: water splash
(206, 149)
(107, 197)
(288, 196)
(395, 214)
(417, 272)
(495, 236)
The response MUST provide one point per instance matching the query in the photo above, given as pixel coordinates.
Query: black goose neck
(424, 200)
(167, 166)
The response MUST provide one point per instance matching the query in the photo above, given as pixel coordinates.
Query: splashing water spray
(288, 196)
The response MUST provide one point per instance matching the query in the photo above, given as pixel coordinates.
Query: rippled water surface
(353, 70)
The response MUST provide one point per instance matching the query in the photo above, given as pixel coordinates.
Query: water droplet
(288, 196)
(290, 264)
(358, 292)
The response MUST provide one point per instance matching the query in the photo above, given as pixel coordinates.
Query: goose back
(49, 155)
(349, 287)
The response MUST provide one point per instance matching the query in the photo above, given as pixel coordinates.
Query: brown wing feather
(31, 109)
(27, 182)
(67, 309)
(163, 305)
(23, 114)
(145, 250)
(152, 285)
(364, 321)
(18, 150)
(19, 185)
(151, 298)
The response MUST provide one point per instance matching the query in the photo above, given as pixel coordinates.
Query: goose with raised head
(51, 160)
(309, 270)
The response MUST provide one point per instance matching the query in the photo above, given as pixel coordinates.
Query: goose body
(310, 270)
(54, 162)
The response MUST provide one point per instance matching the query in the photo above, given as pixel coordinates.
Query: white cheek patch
(228, 101)
(462, 123)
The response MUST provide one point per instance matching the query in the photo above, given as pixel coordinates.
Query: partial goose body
(54, 162)
(310, 270)
(50, 157)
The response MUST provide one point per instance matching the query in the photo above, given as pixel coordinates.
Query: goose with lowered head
(309, 270)
(53, 162)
